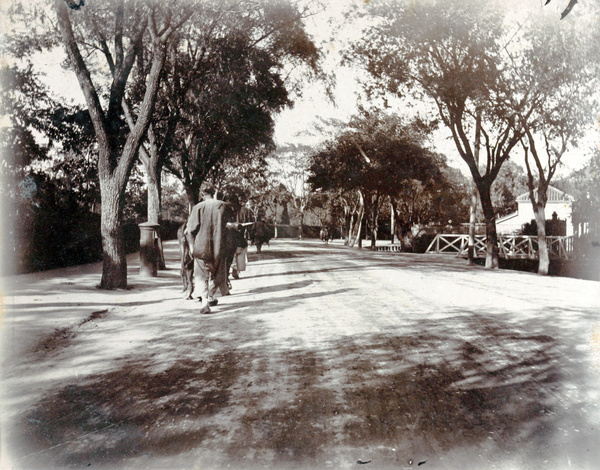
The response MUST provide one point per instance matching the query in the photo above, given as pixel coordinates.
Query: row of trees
(181, 86)
(190, 88)
(502, 88)
(380, 160)
(524, 89)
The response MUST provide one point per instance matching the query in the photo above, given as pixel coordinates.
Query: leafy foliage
(32, 112)
(225, 86)
(49, 227)
(45, 199)
(245, 183)
(584, 186)
(381, 158)
(481, 71)
(510, 184)
(376, 154)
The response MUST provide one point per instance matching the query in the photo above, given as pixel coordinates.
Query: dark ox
(234, 238)
(260, 233)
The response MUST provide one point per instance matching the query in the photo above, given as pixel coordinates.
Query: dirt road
(323, 357)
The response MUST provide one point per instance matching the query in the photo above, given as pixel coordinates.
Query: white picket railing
(509, 246)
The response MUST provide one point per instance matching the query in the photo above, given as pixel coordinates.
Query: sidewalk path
(323, 357)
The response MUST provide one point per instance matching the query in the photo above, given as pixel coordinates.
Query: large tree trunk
(114, 262)
(115, 162)
(539, 198)
(374, 221)
(114, 272)
(151, 159)
(473, 208)
(543, 254)
(356, 232)
(491, 257)
(472, 213)
(496, 155)
(153, 185)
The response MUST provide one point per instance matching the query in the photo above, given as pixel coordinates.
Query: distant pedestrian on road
(324, 235)
(205, 233)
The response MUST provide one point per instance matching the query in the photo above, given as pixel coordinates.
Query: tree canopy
(479, 69)
(196, 81)
(374, 154)
(378, 156)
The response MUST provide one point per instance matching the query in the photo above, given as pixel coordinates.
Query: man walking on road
(205, 233)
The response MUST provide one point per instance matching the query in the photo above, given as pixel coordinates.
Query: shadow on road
(472, 380)
(276, 304)
(266, 254)
(281, 287)
(154, 388)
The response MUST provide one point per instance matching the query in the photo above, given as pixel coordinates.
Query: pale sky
(331, 34)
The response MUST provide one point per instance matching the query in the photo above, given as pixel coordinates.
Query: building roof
(554, 195)
(506, 218)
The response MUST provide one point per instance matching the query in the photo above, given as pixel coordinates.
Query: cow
(260, 234)
(234, 238)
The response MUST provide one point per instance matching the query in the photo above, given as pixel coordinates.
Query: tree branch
(122, 72)
(83, 76)
(119, 18)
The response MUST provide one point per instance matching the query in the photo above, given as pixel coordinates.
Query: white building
(558, 202)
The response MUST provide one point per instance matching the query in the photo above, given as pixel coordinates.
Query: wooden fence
(509, 246)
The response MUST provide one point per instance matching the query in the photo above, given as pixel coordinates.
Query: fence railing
(509, 246)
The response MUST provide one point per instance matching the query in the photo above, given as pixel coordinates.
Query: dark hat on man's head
(208, 189)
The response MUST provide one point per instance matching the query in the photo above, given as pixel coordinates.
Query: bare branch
(83, 74)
